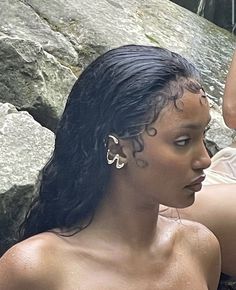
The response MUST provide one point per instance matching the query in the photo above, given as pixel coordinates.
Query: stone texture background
(25, 147)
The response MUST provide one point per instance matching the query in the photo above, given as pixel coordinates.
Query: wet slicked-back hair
(121, 92)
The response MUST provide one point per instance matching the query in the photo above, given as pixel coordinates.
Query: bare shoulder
(191, 232)
(204, 248)
(198, 234)
(31, 264)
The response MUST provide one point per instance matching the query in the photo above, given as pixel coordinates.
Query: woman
(130, 139)
(215, 203)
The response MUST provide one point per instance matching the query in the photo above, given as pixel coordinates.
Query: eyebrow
(194, 126)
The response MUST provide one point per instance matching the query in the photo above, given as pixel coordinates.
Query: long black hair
(121, 92)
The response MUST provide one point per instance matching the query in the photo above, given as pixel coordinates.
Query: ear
(117, 146)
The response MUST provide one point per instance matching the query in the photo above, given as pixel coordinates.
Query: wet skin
(176, 156)
(128, 245)
(214, 207)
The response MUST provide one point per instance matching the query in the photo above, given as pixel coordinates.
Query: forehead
(191, 108)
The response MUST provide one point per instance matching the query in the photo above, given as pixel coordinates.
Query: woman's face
(176, 156)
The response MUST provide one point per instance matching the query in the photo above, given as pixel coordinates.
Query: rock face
(72, 33)
(31, 79)
(25, 146)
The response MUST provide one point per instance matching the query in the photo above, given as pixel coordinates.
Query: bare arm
(26, 267)
(211, 261)
(205, 249)
(15, 273)
(215, 207)
(229, 99)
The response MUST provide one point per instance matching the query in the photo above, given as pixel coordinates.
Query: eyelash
(186, 142)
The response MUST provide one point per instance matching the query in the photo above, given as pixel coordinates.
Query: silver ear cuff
(116, 158)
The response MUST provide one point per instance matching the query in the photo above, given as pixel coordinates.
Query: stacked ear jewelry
(119, 163)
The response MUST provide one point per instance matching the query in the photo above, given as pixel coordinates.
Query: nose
(202, 159)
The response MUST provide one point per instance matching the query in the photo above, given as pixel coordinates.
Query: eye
(183, 141)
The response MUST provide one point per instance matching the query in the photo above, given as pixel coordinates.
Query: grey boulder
(25, 147)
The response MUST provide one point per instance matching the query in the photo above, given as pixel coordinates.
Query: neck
(126, 216)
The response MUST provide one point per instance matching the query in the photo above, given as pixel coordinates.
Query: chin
(187, 202)
(179, 205)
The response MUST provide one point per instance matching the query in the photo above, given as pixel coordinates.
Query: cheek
(167, 165)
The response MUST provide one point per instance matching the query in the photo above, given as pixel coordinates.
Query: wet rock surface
(25, 146)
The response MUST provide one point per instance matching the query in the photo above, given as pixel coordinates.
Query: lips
(196, 184)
